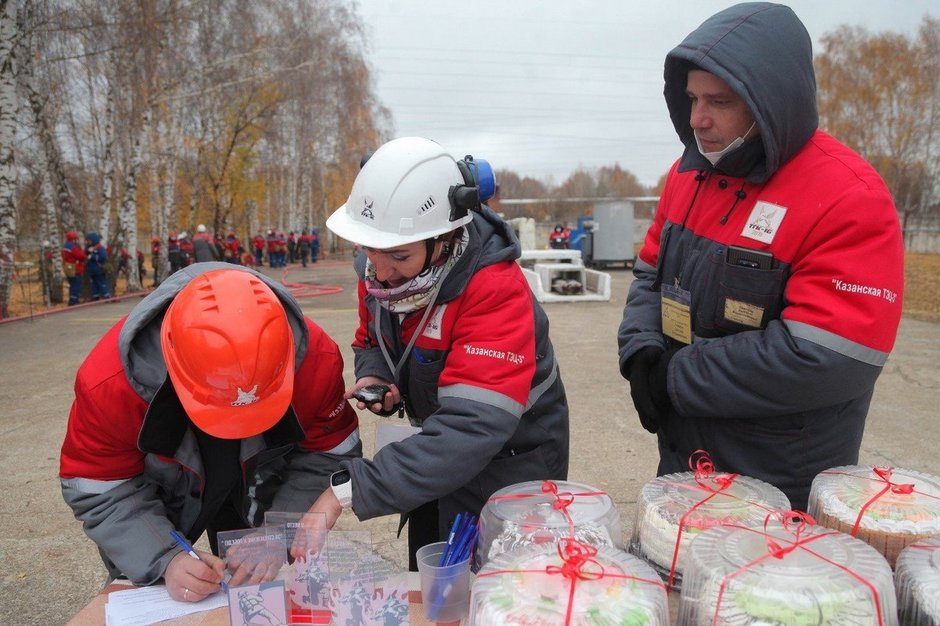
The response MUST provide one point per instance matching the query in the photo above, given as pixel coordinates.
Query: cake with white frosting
(888, 508)
(674, 509)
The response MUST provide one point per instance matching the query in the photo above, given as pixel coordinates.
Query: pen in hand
(188, 549)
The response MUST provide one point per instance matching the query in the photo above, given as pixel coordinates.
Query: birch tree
(8, 178)
(45, 126)
(127, 216)
(260, 112)
(107, 165)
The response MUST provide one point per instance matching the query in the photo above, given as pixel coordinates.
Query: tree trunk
(8, 105)
(57, 278)
(127, 216)
(107, 162)
(45, 130)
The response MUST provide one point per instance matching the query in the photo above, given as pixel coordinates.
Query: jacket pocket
(424, 372)
(734, 299)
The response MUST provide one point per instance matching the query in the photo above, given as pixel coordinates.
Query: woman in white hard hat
(449, 325)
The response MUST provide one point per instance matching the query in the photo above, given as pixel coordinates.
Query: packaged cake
(888, 508)
(537, 512)
(785, 572)
(567, 583)
(917, 581)
(673, 509)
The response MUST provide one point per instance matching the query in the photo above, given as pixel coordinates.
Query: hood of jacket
(93, 238)
(492, 241)
(139, 340)
(764, 54)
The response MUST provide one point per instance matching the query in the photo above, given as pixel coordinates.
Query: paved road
(50, 569)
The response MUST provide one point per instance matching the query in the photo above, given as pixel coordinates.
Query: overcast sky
(543, 87)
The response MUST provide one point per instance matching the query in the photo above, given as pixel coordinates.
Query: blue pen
(450, 540)
(464, 536)
(418, 356)
(188, 549)
(468, 549)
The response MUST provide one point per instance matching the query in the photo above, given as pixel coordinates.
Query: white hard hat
(411, 189)
(201, 228)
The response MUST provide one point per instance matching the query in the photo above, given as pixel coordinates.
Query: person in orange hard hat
(213, 401)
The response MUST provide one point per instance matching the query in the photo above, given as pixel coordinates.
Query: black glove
(639, 371)
(657, 380)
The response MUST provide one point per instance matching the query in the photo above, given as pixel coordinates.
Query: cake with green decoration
(917, 581)
(778, 575)
(547, 585)
(674, 509)
(888, 508)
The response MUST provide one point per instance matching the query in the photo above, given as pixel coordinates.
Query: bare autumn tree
(332, 118)
(616, 182)
(878, 92)
(512, 188)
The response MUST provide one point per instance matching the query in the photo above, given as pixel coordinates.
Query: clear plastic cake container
(674, 509)
(795, 574)
(888, 508)
(550, 585)
(917, 581)
(540, 512)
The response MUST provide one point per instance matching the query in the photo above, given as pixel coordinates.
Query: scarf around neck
(418, 292)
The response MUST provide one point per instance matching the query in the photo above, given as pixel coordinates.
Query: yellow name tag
(676, 312)
(743, 313)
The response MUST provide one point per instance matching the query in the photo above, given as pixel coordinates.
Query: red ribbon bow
(884, 473)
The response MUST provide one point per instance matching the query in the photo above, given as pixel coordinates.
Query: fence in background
(922, 233)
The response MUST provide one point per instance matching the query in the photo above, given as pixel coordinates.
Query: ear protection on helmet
(466, 197)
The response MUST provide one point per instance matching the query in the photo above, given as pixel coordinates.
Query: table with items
(707, 547)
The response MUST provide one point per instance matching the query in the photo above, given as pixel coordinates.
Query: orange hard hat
(229, 351)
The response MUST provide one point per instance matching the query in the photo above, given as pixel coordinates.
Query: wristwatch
(341, 484)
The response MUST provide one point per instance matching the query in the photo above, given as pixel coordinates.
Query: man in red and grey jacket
(767, 295)
(196, 427)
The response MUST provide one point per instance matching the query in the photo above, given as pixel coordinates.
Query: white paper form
(149, 605)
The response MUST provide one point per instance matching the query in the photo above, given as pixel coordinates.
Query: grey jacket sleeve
(455, 444)
(371, 362)
(763, 373)
(127, 522)
(642, 322)
(306, 476)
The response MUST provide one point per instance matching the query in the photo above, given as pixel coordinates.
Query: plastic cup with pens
(444, 569)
